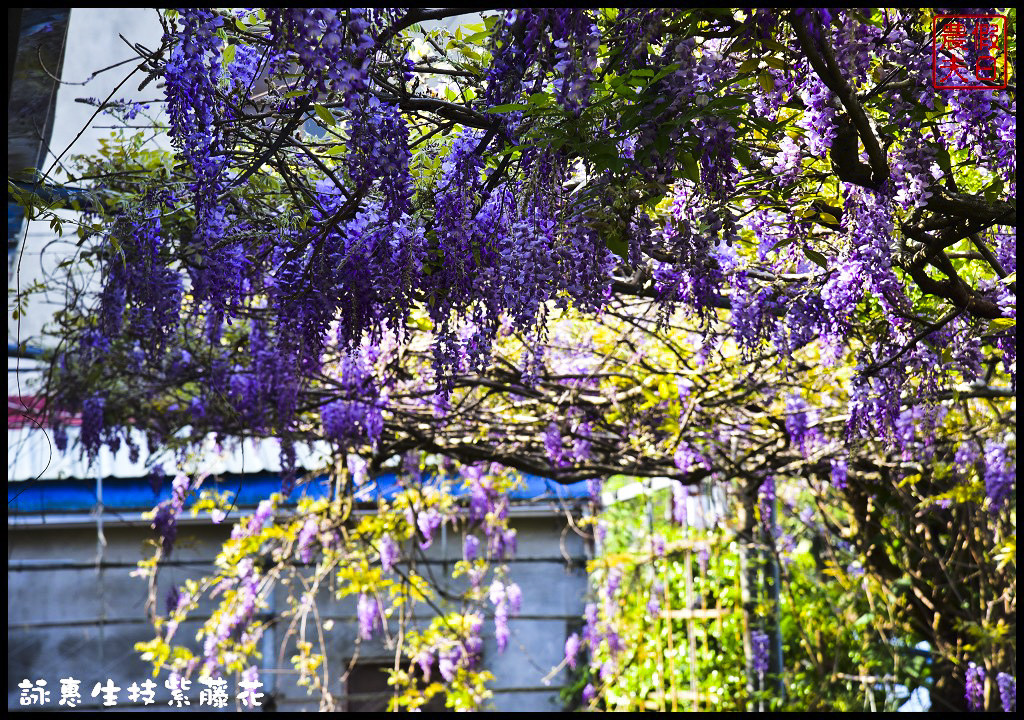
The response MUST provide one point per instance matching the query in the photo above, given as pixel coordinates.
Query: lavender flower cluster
(1007, 691)
(759, 647)
(975, 688)
(165, 521)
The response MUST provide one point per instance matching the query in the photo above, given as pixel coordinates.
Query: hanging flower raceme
(975, 688)
(1007, 691)
(368, 613)
(165, 519)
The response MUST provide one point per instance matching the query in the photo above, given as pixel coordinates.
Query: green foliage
(840, 646)
(418, 615)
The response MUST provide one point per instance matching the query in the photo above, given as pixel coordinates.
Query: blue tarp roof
(139, 494)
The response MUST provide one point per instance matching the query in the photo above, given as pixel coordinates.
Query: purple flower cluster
(575, 40)
(759, 648)
(687, 458)
(1000, 474)
(454, 653)
(165, 522)
(766, 504)
(470, 547)
(331, 45)
(92, 424)
(553, 444)
(567, 39)
(717, 167)
(507, 600)
(389, 552)
(975, 688)
(572, 649)
(839, 472)
(378, 155)
(818, 119)
(800, 418)
(489, 509)
(448, 660)
(691, 233)
(252, 526)
(428, 521)
(752, 317)
(236, 615)
(591, 633)
(368, 614)
(914, 171)
(355, 417)
(680, 495)
(1007, 691)
(875, 400)
(307, 535)
(653, 605)
(191, 78)
(244, 68)
(500, 261)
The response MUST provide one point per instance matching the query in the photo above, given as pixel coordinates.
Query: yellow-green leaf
(748, 65)
(325, 115)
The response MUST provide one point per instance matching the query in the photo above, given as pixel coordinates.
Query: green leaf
(478, 37)
(661, 142)
(295, 93)
(748, 65)
(766, 81)
(539, 99)
(325, 115)
(508, 107)
(784, 242)
(625, 91)
(817, 258)
(618, 246)
(691, 168)
(999, 325)
(775, 45)
(229, 54)
(667, 70)
(994, 190)
(741, 153)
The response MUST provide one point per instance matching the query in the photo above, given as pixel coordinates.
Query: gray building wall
(75, 611)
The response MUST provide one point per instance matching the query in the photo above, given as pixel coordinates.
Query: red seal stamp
(969, 52)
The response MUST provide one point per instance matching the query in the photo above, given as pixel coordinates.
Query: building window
(367, 689)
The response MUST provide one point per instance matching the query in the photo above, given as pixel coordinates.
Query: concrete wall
(69, 616)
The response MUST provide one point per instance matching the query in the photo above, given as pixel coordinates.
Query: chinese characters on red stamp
(969, 52)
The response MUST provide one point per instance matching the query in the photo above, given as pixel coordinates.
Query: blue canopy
(140, 494)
